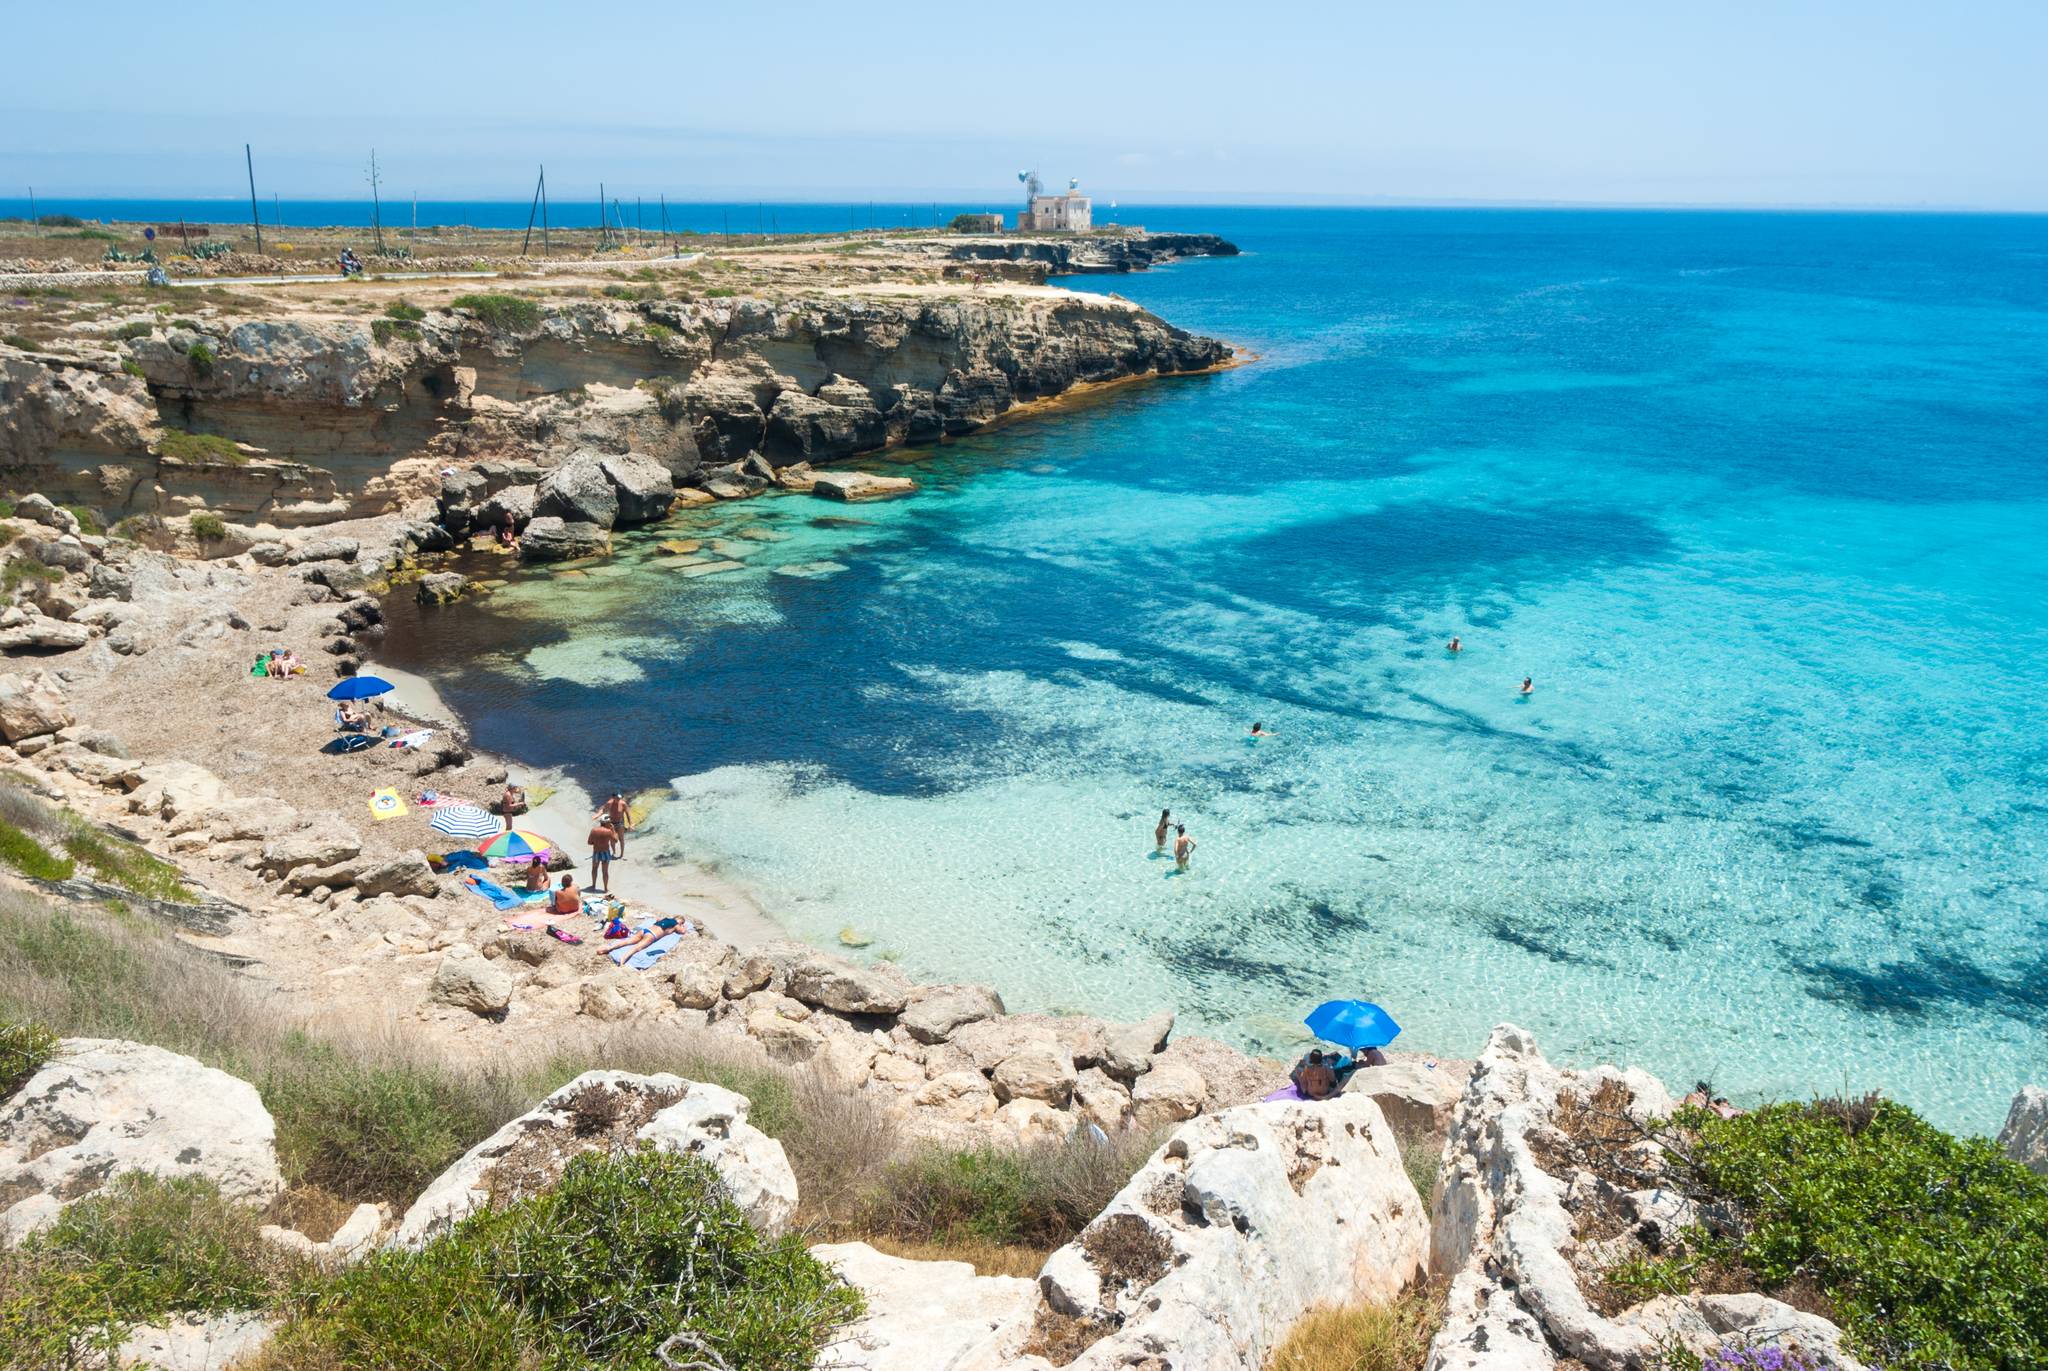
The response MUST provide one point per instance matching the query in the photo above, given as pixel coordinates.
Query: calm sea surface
(1760, 501)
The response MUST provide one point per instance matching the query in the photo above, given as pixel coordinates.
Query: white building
(1069, 213)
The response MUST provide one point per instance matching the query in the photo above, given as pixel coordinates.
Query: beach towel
(1285, 1092)
(499, 897)
(386, 804)
(419, 737)
(465, 860)
(648, 955)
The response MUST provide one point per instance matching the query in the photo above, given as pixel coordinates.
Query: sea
(1757, 502)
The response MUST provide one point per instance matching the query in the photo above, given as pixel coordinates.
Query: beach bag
(615, 929)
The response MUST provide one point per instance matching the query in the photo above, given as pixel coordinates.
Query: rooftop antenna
(1033, 187)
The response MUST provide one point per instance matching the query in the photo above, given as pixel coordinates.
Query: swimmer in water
(1259, 731)
(1454, 645)
(1528, 685)
(1159, 833)
(1183, 847)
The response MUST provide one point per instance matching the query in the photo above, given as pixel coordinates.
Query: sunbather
(568, 900)
(537, 875)
(660, 928)
(1314, 1077)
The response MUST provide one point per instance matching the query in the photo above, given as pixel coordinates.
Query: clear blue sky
(1643, 101)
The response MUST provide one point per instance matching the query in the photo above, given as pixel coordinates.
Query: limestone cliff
(335, 415)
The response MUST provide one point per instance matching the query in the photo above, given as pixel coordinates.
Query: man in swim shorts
(601, 840)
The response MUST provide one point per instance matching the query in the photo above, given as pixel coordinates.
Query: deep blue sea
(1760, 501)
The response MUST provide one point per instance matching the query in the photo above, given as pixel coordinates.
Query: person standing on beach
(1183, 847)
(618, 816)
(1159, 833)
(602, 839)
(511, 802)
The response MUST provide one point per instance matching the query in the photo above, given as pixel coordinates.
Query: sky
(1721, 102)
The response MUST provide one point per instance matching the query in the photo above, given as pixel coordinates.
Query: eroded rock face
(31, 706)
(1503, 1237)
(578, 491)
(467, 980)
(1234, 1229)
(2025, 1135)
(101, 1107)
(598, 1111)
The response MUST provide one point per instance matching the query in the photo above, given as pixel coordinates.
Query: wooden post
(255, 219)
(276, 211)
(35, 220)
(546, 248)
(664, 219)
(637, 230)
(604, 227)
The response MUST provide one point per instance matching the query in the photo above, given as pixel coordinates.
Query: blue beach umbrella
(360, 688)
(1353, 1024)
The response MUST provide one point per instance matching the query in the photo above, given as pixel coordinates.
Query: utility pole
(546, 249)
(664, 219)
(255, 218)
(376, 203)
(532, 210)
(638, 231)
(728, 223)
(415, 211)
(276, 211)
(604, 227)
(35, 221)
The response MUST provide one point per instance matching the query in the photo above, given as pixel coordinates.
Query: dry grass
(1392, 1337)
(987, 1258)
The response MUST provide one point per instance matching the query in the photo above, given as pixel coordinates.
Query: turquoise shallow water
(1758, 500)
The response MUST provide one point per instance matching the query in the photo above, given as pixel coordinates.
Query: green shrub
(384, 330)
(28, 856)
(658, 333)
(92, 235)
(61, 221)
(24, 1047)
(88, 522)
(131, 367)
(720, 293)
(140, 1249)
(208, 528)
(404, 313)
(6, 509)
(26, 568)
(19, 340)
(202, 359)
(119, 862)
(510, 313)
(200, 449)
(137, 329)
(1933, 1250)
(620, 1255)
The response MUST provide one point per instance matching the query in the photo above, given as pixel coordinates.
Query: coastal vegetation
(623, 1255)
(199, 448)
(1377, 1337)
(511, 313)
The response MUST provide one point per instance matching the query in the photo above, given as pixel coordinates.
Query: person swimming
(1528, 685)
(1183, 847)
(1454, 645)
(1259, 730)
(1159, 833)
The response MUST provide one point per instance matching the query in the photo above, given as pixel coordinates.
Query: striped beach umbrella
(516, 845)
(463, 821)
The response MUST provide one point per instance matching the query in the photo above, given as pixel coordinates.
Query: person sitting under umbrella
(1314, 1078)
(537, 876)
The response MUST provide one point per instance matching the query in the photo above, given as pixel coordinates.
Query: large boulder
(324, 843)
(170, 789)
(2025, 1135)
(940, 1012)
(466, 979)
(31, 706)
(551, 539)
(513, 505)
(601, 1111)
(1242, 1223)
(829, 983)
(1128, 1049)
(44, 635)
(1168, 1093)
(921, 1315)
(1229, 1077)
(1038, 1071)
(578, 491)
(1417, 1095)
(405, 874)
(644, 487)
(101, 1107)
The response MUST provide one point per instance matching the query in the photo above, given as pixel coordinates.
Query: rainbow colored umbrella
(516, 845)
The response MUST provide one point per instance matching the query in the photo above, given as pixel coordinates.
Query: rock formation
(101, 1107)
(1505, 1237)
(600, 1110)
(2025, 1135)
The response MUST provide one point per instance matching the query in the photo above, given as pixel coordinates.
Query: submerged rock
(855, 487)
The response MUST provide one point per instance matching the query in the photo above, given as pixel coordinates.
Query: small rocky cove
(352, 456)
